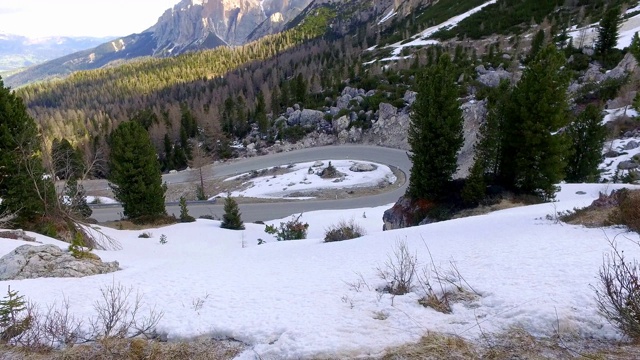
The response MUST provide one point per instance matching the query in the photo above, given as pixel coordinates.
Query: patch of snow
(588, 35)
(299, 179)
(391, 14)
(100, 200)
(420, 38)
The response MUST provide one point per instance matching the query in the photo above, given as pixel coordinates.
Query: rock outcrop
(405, 213)
(197, 24)
(474, 114)
(30, 262)
(362, 167)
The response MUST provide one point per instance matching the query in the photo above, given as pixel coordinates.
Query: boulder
(627, 65)
(409, 97)
(627, 165)
(631, 145)
(611, 154)
(386, 112)
(294, 118)
(362, 167)
(593, 74)
(30, 262)
(493, 78)
(341, 123)
(311, 118)
(355, 134)
(343, 101)
(406, 212)
(350, 91)
(480, 69)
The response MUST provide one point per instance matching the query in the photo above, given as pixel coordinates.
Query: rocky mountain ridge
(190, 25)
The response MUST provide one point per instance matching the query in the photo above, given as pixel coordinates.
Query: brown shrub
(628, 211)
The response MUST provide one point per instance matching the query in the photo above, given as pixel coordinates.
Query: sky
(95, 18)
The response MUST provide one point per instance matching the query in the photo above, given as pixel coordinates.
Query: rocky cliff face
(197, 24)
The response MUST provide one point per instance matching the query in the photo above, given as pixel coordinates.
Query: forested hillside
(225, 94)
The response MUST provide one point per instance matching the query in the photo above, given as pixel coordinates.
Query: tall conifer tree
(533, 159)
(24, 188)
(587, 136)
(135, 176)
(435, 131)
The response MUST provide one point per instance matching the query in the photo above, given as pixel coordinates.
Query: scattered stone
(343, 101)
(631, 145)
(611, 154)
(627, 165)
(18, 234)
(341, 123)
(318, 164)
(362, 167)
(30, 262)
(410, 97)
(493, 78)
(386, 111)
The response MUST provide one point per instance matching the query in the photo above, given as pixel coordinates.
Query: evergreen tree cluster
(529, 142)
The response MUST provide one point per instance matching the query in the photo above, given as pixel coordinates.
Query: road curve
(277, 210)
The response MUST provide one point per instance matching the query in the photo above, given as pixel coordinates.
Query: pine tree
(232, 218)
(261, 114)
(608, 32)
(536, 45)
(587, 136)
(184, 212)
(634, 48)
(12, 320)
(435, 131)
(24, 188)
(533, 159)
(135, 172)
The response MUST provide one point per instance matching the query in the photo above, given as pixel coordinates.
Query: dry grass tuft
(136, 349)
(434, 346)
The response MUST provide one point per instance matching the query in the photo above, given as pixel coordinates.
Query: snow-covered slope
(292, 299)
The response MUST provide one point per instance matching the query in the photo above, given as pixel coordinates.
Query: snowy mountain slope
(292, 299)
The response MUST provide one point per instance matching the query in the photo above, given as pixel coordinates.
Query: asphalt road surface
(280, 209)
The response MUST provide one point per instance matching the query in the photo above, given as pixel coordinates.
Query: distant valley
(18, 52)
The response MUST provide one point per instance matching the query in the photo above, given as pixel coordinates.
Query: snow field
(292, 299)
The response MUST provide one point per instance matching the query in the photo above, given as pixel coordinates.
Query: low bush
(618, 292)
(343, 230)
(293, 229)
(628, 211)
(155, 220)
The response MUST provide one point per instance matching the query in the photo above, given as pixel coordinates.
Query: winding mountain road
(252, 212)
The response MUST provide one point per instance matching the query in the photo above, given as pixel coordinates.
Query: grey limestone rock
(30, 262)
